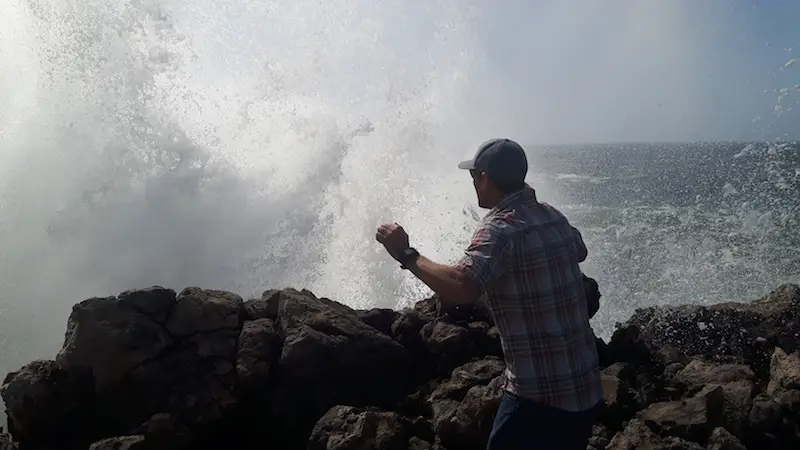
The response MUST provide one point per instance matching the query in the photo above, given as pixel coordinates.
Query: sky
(678, 70)
(545, 72)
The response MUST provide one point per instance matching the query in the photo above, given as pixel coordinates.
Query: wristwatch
(408, 256)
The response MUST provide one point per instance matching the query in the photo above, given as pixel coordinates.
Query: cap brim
(467, 165)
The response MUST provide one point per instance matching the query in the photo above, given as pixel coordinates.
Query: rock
(349, 428)
(379, 318)
(692, 419)
(464, 406)
(622, 370)
(738, 401)
(199, 311)
(744, 331)
(466, 424)
(258, 349)
(151, 369)
(112, 337)
(635, 435)
(449, 345)
(265, 307)
(601, 437)
(699, 372)
(155, 302)
(47, 404)
(620, 404)
(721, 439)
(330, 357)
(120, 443)
(784, 372)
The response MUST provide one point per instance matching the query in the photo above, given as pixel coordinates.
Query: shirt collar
(524, 195)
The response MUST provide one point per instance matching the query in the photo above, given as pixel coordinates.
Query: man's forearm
(451, 284)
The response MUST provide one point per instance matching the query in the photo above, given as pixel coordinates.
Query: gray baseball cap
(502, 159)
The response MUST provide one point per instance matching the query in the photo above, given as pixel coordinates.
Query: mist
(256, 145)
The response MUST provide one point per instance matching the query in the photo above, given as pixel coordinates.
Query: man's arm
(452, 285)
(483, 261)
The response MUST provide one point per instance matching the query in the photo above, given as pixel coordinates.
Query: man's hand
(452, 285)
(394, 238)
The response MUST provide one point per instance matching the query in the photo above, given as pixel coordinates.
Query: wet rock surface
(204, 369)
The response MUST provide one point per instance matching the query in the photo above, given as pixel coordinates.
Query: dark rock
(745, 331)
(346, 428)
(784, 372)
(258, 349)
(721, 439)
(463, 406)
(699, 372)
(379, 318)
(199, 311)
(620, 404)
(601, 437)
(330, 357)
(47, 404)
(265, 307)
(203, 370)
(155, 302)
(466, 423)
(692, 419)
(449, 345)
(738, 403)
(120, 443)
(111, 338)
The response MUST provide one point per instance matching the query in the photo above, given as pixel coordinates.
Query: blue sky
(677, 70)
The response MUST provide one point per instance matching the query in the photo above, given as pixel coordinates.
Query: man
(525, 256)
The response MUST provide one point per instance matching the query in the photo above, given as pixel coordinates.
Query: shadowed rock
(150, 369)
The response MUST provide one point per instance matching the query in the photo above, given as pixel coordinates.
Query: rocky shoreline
(203, 369)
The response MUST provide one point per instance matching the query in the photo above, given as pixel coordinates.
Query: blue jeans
(525, 424)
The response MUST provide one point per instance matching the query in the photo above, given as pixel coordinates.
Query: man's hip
(522, 423)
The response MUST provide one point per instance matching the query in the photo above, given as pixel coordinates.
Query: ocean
(189, 144)
(697, 223)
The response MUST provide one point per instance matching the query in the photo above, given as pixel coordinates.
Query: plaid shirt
(525, 257)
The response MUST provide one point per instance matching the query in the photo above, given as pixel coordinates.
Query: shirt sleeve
(486, 258)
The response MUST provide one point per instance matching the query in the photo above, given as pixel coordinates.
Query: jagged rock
(379, 318)
(112, 337)
(601, 437)
(464, 406)
(620, 404)
(467, 424)
(258, 349)
(203, 369)
(744, 331)
(738, 396)
(635, 435)
(162, 432)
(699, 372)
(784, 372)
(204, 311)
(330, 357)
(120, 443)
(265, 307)
(721, 439)
(692, 419)
(46, 404)
(449, 345)
(349, 428)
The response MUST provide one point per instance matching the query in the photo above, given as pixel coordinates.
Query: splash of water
(240, 146)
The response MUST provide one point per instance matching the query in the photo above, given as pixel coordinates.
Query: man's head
(498, 169)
